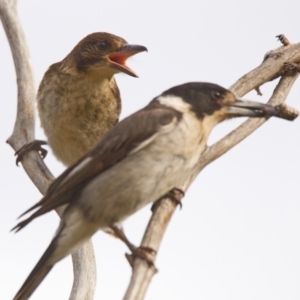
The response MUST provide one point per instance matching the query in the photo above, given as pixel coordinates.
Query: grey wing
(126, 137)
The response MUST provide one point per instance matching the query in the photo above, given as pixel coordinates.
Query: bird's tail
(73, 231)
(40, 271)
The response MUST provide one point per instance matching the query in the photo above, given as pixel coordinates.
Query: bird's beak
(118, 59)
(245, 108)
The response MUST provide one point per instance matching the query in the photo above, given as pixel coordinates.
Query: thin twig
(142, 273)
(84, 266)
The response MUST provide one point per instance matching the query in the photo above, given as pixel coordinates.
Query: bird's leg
(35, 145)
(144, 253)
(175, 195)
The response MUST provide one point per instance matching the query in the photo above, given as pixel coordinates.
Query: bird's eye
(217, 94)
(102, 45)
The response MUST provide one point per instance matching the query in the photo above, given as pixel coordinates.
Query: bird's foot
(145, 253)
(175, 195)
(35, 145)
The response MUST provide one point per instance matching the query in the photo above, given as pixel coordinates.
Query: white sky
(237, 236)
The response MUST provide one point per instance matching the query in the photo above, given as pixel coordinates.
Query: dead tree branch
(142, 273)
(23, 133)
(84, 266)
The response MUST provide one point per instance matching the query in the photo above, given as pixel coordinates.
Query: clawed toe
(145, 253)
(35, 145)
(176, 195)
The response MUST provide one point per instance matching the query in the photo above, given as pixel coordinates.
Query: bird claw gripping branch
(144, 253)
(175, 195)
(36, 145)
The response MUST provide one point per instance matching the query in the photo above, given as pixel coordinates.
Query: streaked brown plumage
(78, 98)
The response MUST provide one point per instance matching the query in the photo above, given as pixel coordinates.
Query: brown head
(101, 52)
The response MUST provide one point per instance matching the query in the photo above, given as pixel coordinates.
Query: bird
(78, 98)
(137, 162)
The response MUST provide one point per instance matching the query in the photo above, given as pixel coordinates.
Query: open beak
(245, 108)
(118, 59)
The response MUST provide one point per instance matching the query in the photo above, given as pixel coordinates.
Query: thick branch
(142, 273)
(24, 125)
(23, 133)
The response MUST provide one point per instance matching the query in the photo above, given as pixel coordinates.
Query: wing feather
(126, 137)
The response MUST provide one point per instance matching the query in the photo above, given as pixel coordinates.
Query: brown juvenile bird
(78, 98)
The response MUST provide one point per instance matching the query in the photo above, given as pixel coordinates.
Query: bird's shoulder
(136, 128)
(117, 143)
(127, 137)
(52, 80)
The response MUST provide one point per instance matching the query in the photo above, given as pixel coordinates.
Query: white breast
(151, 171)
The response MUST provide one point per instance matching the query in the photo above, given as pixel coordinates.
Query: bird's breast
(75, 115)
(144, 176)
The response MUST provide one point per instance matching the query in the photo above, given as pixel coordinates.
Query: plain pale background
(237, 236)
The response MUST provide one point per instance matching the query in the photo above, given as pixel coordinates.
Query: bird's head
(211, 101)
(103, 53)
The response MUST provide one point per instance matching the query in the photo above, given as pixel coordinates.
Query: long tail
(40, 271)
(71, 234)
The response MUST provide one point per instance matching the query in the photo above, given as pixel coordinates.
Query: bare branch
(233, 138)
(83, 260)
(24, 125)
(266, 71)
(142, 273)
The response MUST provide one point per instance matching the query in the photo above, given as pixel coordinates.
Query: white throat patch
(175, 102)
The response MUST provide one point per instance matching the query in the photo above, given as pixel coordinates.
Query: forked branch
(84, 266)
(142, 272)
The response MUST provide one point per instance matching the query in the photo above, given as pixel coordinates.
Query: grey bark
(84, 265)
(142, 272)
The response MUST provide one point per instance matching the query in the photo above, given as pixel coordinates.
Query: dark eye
(217, 94)
(102, 45)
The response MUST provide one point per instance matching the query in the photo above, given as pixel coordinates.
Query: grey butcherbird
(137, 162)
